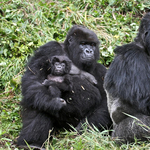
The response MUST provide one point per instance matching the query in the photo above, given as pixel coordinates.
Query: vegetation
(25, 25)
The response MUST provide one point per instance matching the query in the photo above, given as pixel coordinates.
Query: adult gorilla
(84, 101)
(127, 85)
(82, 47)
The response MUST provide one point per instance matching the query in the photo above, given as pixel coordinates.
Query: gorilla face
(61, 65)
(59, 68)
(88, 50)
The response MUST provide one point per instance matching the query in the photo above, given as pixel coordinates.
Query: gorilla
(85, 102)
(58, 80)
(59, 76)
(127, 84)
(82, 47)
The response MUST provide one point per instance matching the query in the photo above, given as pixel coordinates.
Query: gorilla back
(127, 84)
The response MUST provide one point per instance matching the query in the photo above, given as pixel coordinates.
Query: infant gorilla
(59, 79)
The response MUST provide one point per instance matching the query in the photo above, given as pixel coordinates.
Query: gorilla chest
(57, 78)
(82, 99)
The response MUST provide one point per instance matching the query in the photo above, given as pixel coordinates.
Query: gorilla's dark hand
(89, 77)
(56, 104)
(84, 75)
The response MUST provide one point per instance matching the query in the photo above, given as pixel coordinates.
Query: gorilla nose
(88, 51)
(59, 67)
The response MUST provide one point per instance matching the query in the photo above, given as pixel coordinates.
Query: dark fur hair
(127, 84)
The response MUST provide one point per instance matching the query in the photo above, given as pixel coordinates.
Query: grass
(25, 25)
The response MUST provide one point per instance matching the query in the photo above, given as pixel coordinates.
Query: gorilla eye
(82, 43)
(93, 44)
(63, 65)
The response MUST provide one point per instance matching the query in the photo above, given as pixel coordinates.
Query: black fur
(84, 101)
(127, 84)
(99, 117)
(58, 81)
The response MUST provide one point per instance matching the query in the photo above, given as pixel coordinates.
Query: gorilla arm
(35, 94)
(63, 83)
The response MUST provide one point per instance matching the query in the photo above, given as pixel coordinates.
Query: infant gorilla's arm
(63, 83)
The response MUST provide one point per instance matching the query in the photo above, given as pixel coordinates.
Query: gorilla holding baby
(84, 101)
(127, 85)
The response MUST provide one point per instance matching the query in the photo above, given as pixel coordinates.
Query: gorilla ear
(70, 39)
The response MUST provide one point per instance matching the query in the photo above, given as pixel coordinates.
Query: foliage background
(25, 25)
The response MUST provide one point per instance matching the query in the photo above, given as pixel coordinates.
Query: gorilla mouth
(58, 72)
(86, 57)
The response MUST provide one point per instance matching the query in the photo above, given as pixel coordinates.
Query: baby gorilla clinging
(59, 79)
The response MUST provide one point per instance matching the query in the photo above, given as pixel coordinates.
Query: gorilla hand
(84, 75)
(89, 77)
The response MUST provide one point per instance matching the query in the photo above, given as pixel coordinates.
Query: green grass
(26, 25)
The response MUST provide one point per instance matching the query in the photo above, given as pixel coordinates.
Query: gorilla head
(60, 65)
(144, 33)
(82, 44)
